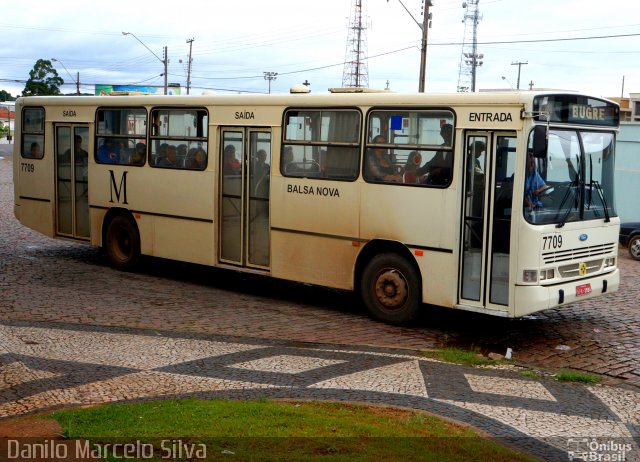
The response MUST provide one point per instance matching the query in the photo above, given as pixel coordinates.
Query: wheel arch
(110, 215)
(377, 247)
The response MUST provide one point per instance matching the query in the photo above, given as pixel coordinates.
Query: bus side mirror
(540, 141)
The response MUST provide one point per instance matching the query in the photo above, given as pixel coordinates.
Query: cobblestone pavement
(50, 280)
(47, 365)
(73, 330)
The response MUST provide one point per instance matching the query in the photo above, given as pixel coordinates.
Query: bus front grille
(573, 270)
(579, 253)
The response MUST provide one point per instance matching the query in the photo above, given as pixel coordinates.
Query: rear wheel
(122, 243)
(634, 247)
(390, 289)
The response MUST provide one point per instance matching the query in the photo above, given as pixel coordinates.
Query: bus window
(410, 147)
(33, 133)
(321, 144)
(179, 139)
(121, 136)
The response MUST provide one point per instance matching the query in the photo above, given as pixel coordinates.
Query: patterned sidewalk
(44, 366)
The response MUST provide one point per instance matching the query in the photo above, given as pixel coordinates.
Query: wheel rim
(122, 245)
(391, 289)
(634, 248)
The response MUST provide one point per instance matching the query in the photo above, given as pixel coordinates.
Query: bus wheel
(122, 242)
(390, 289)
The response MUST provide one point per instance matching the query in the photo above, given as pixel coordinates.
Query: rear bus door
(244, 171)
(71, 179)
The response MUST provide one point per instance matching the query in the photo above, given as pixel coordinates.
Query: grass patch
(460, 356)
(567, 375)
(265, 430)
(531, 374)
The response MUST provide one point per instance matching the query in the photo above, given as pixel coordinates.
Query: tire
(122, 243)
(390, 289)
(634, 247)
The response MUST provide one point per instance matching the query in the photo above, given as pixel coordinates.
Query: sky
(582, 45)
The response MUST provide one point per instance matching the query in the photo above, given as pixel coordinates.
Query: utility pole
(270, 76)
(190, 42)
(519, 64)
(77, 80)
(165, 61)
(426, 24)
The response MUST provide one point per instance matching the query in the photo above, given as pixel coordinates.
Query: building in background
(628, 159)
(7, 117)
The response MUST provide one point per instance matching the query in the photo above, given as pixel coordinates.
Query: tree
(6, 96)
(43, 80)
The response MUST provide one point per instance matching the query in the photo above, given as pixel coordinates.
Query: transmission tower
(356, 73)
(470, 59)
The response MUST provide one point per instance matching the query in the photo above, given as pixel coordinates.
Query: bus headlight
(530, 276)
(547, 274)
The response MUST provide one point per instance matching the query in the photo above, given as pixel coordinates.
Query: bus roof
(324, 99)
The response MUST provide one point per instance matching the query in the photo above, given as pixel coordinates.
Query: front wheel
(390, 289)
(122, 243)
(634, 247)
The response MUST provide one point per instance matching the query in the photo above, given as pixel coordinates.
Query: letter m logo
(119, 190)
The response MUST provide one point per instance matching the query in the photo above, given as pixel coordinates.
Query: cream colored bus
(499, 203)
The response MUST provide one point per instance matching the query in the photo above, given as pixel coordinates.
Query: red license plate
(583, 289)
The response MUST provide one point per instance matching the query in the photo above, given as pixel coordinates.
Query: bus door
(245, 161)
(72, 187)
(486, 231)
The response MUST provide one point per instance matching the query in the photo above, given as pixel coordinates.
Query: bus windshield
(574, 182)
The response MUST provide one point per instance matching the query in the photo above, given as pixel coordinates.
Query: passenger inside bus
(379, 166)
(196, 159)
(230, 165)
(171, 161)
(534, 185)
(410, 175)
(440, 166)
(34, 152)
(138, 155)
(108, 153)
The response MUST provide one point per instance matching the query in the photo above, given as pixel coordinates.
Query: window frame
(202, 140)
(421, 148)
(40, 134)
(357, 145)
(98, 135)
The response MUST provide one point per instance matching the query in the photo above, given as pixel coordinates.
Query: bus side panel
(173, 208)
(422, 219)
(313, 259)
(34, 190)
(313, 226)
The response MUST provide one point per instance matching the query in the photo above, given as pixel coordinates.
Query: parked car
(630, 236)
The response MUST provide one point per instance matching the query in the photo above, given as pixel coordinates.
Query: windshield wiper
(574, 184)
(604, 202)
(595, 184)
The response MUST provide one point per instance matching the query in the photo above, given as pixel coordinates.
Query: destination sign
(576, 109)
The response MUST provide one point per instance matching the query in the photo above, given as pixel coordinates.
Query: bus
(497, 203)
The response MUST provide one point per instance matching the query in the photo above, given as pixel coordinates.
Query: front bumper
(529, 299)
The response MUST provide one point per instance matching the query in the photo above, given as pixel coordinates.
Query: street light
(76, 81)
(270, 76)
(164, 61)
(426, 24)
